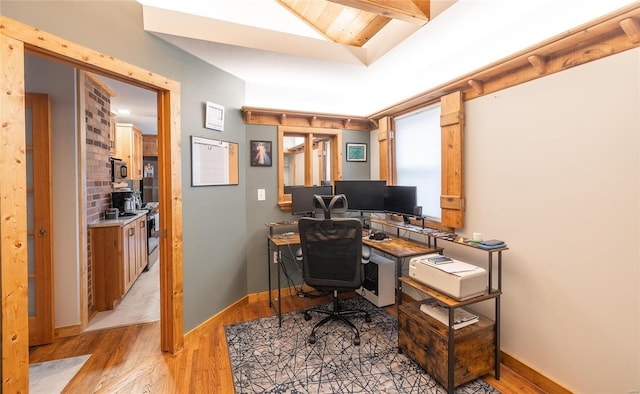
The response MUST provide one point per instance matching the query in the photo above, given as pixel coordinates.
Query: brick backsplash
(97, 115)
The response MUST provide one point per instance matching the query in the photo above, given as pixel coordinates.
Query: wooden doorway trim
(16, 39)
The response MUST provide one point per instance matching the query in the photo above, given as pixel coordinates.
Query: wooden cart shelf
(453, 357)
(444, 299)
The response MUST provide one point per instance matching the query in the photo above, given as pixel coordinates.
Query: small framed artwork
(356, 152)
(260, 153)
(214, 116)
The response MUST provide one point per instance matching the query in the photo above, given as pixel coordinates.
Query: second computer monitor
(362, 195)
(302, 198)
(401, 199)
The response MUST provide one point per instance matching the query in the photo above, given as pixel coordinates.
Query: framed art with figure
(260, 153)
(356, 152)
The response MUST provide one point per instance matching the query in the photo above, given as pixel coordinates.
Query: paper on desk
(454, 267)
(461, 317)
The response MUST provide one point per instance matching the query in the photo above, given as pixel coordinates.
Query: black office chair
(332, 260)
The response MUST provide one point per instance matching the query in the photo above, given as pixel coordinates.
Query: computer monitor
(302, 198)
(400, 199)
(362, 195)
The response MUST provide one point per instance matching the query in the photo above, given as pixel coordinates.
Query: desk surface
(435, 234)
(394, 246)
(400, 247)
(284, 240)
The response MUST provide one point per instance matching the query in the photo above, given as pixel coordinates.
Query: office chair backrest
(327, 204)
(331, 252)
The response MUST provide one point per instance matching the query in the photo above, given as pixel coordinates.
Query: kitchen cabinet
(141, 244)
(149, 145)
(129, 145)
(119, 255)
(135, 250)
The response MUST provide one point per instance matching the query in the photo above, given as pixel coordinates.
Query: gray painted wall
(214, 218)
(356, 170)
(260, 212)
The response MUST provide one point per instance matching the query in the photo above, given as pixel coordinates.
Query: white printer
(452, 277)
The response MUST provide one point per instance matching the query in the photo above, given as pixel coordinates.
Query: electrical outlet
(261, 195)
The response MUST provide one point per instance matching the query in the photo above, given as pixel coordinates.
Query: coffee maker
(124, 201)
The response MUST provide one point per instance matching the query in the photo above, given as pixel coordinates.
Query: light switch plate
(261, 195)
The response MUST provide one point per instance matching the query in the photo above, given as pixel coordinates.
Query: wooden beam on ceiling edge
(413, 11)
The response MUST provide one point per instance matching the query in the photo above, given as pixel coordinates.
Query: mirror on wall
(308, 156)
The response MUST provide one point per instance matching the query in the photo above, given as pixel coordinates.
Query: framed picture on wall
(356, 152)
(260, 153)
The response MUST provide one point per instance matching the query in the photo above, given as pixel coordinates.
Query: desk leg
(497, 349)
(278, 260)
(398, 283)
(497, 319)
(269, 269)
(451, 362)
(279, 295)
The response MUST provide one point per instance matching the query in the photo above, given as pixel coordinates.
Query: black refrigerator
(150, 179)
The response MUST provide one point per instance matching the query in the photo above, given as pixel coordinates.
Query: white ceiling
(286, 64)
(142, 104)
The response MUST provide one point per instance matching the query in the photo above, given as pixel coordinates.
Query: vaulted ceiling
(356, 32)
(303, 54)
(354, 22)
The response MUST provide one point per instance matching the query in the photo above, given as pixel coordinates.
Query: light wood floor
(129, 360)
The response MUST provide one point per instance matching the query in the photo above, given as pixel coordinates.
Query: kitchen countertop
(121, 221)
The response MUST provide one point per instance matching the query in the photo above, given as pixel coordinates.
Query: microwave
(119, 171)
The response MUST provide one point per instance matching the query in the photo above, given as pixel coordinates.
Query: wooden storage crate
(425, 340)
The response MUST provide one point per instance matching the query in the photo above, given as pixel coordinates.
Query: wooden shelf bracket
(632, 29)
(539, 63)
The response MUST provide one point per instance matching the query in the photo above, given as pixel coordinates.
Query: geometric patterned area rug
(266, 358)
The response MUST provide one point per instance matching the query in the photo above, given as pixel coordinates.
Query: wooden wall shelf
(278, 117)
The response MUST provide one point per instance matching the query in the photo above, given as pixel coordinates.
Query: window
(308, 156)
(418, 157)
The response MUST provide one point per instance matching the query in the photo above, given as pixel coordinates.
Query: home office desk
(398, 248)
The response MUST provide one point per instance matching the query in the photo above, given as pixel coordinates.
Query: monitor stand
(363, 219)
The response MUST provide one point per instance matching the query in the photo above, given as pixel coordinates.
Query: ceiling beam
(414, 11)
